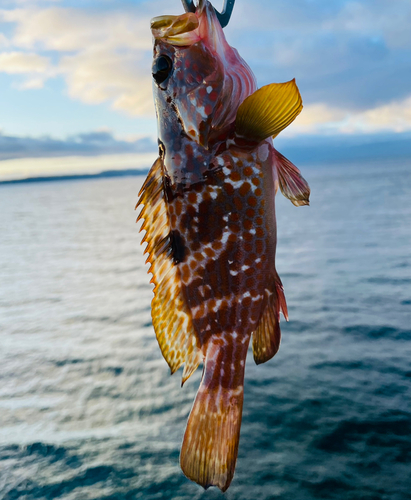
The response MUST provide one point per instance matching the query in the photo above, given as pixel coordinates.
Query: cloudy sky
(75, 76)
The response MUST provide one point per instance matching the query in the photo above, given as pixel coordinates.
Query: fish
(208, 212)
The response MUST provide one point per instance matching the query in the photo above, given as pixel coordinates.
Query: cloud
(85, 153)
(322, 119)
(351, 58)
(69, 29)
(31, 3)
(99, 75)
(103, 56)
(99, 151)
(17, 62)
(316, 116)
(4, 42)
(305, 19)
(348, 54)
(386, 148)
(376, 18)
(85, 144)
(394, 116)
(36, 68)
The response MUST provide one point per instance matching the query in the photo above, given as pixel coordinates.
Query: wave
(378, 332)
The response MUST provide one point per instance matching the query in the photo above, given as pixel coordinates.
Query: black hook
(225, 15)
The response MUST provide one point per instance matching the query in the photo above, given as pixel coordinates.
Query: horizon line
(129, 172)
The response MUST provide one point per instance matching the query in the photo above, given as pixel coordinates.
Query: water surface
(87, 407)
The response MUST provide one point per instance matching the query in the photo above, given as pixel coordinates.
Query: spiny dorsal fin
(267, 335)
(171, 317)
(268, 111)
(292, 183)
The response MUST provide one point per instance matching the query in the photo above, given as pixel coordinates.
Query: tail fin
(210, 445)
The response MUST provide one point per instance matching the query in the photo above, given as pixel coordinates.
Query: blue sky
(70, 70)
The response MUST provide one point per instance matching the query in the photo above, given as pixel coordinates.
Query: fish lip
(190, 27)
(169, 27)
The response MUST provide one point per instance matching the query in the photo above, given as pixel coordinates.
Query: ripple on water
(88, 410)
(378, 332)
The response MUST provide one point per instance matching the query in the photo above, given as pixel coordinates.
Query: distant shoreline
(73, 177)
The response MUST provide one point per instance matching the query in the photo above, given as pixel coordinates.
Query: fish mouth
(190, 27)
(177, 30)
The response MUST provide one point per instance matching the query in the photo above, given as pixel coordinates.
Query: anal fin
(267, 335)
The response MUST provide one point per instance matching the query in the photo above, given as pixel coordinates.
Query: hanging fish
(209, 217)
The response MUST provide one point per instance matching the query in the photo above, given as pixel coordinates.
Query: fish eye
(162, 67)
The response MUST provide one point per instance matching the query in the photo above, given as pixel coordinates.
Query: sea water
(88, 409)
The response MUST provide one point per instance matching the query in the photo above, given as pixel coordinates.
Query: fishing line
(223, 17)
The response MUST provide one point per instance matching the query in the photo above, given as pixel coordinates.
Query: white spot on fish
(209, 89)
(225, 236)
(257, 298)
(213, 193)
(236, 184)
(202, 112)
(263, 152)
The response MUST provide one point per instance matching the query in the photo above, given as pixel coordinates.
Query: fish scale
(209, 216)
(226, 239)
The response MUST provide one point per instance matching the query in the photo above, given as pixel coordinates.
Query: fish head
(199, 80)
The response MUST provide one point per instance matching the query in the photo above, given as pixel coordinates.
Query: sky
(75, 78)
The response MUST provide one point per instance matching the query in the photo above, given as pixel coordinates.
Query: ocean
(88, 409)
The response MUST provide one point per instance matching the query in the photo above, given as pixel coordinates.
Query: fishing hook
(223, 17)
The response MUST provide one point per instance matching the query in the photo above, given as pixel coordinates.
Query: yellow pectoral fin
(268, 111)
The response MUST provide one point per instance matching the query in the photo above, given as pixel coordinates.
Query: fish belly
(224, 229)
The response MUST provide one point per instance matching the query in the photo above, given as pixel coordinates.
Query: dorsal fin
(268, 111)
(171, 318)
